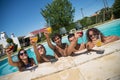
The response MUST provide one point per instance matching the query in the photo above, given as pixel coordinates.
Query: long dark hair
(96, 31)
(20, 60)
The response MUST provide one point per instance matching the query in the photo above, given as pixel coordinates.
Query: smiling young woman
(93, 35)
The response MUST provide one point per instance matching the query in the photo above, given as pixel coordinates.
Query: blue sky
(23, 16)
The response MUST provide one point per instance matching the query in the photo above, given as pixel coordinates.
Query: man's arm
(49, 42)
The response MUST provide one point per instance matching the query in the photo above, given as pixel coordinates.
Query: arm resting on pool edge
(110, 39)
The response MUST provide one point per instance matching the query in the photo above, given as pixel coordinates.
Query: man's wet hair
(56, 35)
(70, 35)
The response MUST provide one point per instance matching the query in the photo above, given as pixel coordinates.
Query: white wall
(4, 43)
(16, 41)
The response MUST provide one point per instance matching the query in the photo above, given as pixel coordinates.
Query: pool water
(110, 28)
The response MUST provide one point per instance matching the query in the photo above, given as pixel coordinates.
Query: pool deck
(91, 66)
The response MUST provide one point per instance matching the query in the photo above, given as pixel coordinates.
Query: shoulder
(88, 43)
(32, 60)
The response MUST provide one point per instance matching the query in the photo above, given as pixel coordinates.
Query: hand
(77, 35)
(8, 52)
(46, 34)
(32, 41)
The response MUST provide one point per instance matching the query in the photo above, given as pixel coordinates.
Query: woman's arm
(35, 50)
(10, 61)
(110, 39)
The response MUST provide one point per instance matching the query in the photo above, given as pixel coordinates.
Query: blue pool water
(110, 28)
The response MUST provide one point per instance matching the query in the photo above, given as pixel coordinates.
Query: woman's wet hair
(70, 35)
(20, 60)
(95, 31)
(43, 47)
(56, 35)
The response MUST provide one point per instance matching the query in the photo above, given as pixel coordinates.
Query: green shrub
(9, 40)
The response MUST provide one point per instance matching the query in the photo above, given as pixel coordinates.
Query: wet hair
(43, 47)
(56, 35)
(20, 60)
(70, 35)
(95, 31)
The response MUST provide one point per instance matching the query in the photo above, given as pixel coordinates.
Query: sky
(23, 16)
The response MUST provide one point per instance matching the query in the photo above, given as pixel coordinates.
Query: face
(40, 49)
(57, 40)
(92, 36)
(71, 39)
(23, 54)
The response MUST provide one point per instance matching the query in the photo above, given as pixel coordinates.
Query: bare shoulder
(89, 43)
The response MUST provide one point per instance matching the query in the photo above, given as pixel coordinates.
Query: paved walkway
(87, 66)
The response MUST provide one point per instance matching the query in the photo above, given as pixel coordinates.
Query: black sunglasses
(22, 52)
(92, 35)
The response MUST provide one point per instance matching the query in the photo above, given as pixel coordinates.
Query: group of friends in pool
(60, 49)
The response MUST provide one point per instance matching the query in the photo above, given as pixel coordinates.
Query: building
(3, 42)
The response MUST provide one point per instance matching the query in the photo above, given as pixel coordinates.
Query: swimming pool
(110, 28)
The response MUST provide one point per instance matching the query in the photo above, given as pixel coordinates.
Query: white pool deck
(92, 66)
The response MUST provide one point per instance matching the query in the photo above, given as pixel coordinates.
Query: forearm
(45, 59)
(36, 53)
(50, 44)
(71, 47)
(56, 56)
(11, 62)
(111, 39)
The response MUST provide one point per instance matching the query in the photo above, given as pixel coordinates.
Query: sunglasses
(22, 52)
(92, 35)
(39, 47)
(56, 39)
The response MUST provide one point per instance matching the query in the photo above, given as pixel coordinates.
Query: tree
(58, 14)
(116, 9)
(10, 41)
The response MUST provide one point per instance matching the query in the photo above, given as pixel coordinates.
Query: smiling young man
(74, 45)
(60, 48)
